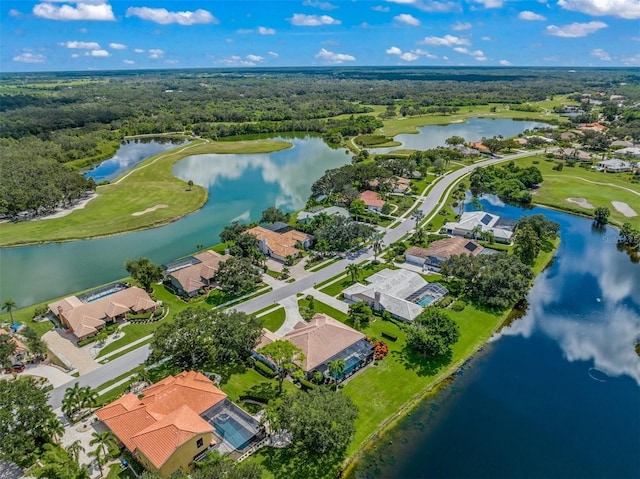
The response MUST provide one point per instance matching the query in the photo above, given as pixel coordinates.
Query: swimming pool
(232, 431)
(426, 300)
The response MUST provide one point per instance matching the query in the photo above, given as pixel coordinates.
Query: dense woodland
(52, 119)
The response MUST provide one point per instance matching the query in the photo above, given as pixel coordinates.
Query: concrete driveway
(54, 375)
(64, 348)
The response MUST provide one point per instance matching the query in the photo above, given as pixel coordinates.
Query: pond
(555, 394)
(130, 153)
(474, 129)
(240, 188)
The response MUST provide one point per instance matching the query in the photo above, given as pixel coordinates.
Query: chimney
(376, 301)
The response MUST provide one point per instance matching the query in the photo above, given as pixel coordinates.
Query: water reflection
(129, 155)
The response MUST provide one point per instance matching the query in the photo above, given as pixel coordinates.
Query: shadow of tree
(422, 365)
(296, 463)
(266, 390)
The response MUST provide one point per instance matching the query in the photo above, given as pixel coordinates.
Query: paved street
(431, 205)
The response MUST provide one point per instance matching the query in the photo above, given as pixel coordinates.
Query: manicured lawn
(370, 268)
(249, 381)
(403, 203)
(598, 188)
(320, 307)
(418, 186)
(147, 186)
(273, 320)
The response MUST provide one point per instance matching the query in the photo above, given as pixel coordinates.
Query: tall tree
(216, 466)
(9, 305)
(75, 449)
(144, 272)
(273, 215)
(320, 421)
(377, 245)
(237, 276)
(354, 271)
(336, 369)
(601, 216)
(526, 244)
(56, 463)
(24, 415)
(357, 209)
(432, 333)
(284, 355)
(8, 348)
(454, 140)
(359, 313)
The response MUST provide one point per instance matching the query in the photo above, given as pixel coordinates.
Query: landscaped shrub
(458, 306)
(400, 259)
(306, 385)
(251, 397)
(380, 348)
(389, 336)
(445, 302)
(265, 370)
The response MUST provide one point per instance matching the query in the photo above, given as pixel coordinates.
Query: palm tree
(54, 428)
(417, 215)
(354, 270)
(476, 231)
(71, 400)
(88, 397)
(74, 449)
(377, 246)
(9, 305)
(419, 235)
(100, 458)
(336, 368)
(103, 441)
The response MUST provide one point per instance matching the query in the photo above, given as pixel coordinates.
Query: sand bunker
(624, 208)
(581, 202)
(149, 210)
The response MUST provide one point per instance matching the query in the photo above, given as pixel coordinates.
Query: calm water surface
(240, 187)
(554, 395)
(471, 130)
(130, 153)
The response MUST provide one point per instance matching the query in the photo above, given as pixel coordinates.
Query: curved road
(430, 206)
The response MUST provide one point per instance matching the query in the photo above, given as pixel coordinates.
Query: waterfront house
(174, 422)
(372, 201)
(305, 217)
(440, 251)
(86, 318)
(198, 274)
(401, 292)
(282, 243)
(477, 222)
(614, 166)
(322, 340)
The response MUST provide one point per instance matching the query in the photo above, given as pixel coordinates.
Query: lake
(129, 154)
(474, 129)
(240, 188)
(556, 394)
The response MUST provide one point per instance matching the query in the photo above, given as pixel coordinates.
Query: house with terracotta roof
(372, 201)
(282, 243)
(21, 349)
(322, 340)
(174, 422)
(85, 319)
(440, 251)
(478, 145)
(197, 275)
(593, 126)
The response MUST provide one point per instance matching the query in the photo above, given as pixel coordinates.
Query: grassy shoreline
(131, 202)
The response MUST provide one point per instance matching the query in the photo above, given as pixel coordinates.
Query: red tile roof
(167, 415)
(371, 198)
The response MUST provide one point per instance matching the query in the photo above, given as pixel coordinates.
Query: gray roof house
(401, 292)
(306, 216)
(613, 166)
(479, 221)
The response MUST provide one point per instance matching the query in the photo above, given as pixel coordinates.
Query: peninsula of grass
(596, 187)
(274, 319)
(146, 197)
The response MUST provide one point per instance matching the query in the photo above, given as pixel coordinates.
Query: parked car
(16, 368)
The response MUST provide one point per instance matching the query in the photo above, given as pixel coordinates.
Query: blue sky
(58, 35)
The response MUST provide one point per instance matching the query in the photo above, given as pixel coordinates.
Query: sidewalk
(330, 300)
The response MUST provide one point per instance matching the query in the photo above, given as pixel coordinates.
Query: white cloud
(632, 61)
(460, 26)
(238, 61)
(244, 31)
(273, 54)
(477, 54)
(407, 19)
(380, 8)
(486, 39)
(139, 50)
(505, 63)
(425, 53)
(490, 3)
(331, 57)
(302, 20)
(75, 55)
(430, 5)
(254, 58)
(165, 17)
(80, 45)
(628, 9)
(86, 10)
(266, 31)
(575, 30)
(394, 51)
(601, 54)
(30, 58)
(15, 13)
(409, 57)
(446, 41)
(98, 53)
(155, 53)
(319, 4)
(531, 16)
(117, 46)
(461, 50)
(128, 62)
